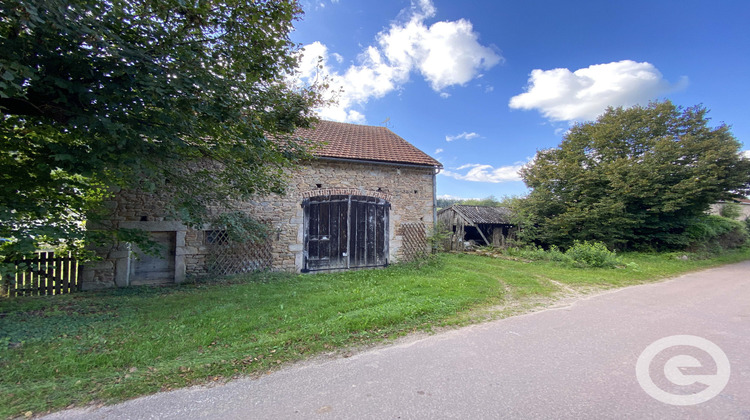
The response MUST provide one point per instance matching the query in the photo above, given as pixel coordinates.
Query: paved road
(573, 362)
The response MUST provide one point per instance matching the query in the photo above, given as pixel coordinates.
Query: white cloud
(485, 173)
(462, 136)
(438, 151)
(446, 53)
(746, 153)
(445, 95)
(562, 95)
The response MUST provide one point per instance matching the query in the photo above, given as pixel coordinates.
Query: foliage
(245, 228)
(581, 255)
(490, 201)
(438, 237)
(730, 210)
(188, 99)
(591, 254)
(635, 178)
(535, 253)
(443, 203)
(716, 233)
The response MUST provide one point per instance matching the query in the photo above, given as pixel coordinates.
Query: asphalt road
(577, 361)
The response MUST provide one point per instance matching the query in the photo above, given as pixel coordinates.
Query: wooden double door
(345, 231)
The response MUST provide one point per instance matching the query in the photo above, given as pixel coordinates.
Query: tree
(490, 201)
(100, 95)
(634, 178)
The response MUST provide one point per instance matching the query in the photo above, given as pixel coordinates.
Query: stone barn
(483, 225)
(366, 200)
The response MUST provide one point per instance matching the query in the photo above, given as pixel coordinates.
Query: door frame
(349, 199)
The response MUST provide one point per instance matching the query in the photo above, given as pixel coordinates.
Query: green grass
(109, 346)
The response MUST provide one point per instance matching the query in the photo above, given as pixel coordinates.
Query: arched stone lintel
(345, 191)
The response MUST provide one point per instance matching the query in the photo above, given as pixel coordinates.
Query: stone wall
(743, 207)
(408, 189)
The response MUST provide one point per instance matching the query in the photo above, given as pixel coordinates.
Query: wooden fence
(45, 274)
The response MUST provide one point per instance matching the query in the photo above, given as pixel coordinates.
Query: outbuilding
(366, 200)
(483, 225)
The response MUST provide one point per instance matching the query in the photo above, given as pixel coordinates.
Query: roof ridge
(364, 142)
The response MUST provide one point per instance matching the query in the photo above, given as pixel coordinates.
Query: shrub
(536, 254)
(715, 233)
(581, 255)
(591, 254)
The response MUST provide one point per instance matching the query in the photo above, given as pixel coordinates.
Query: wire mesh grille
(226, 257)
(414, 245)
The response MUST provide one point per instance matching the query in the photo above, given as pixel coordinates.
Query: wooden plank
(348, 231)
(28, 278)
(306, 233)
(353, 232)
(371, 234)
(51, 273)
(380, 235)
(324, 235)
(313, 252)
(71, 272)
(365, 226)
(61, 272)
(77, 278)
(334, 256)
(42, 265)
(344, 234)
(339, 241)
(14, 281)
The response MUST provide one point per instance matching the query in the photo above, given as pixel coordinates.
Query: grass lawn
(109, 346)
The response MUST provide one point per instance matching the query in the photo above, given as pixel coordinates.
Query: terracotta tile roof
(364, 142)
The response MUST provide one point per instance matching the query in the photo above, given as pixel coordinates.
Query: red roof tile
(363, 142)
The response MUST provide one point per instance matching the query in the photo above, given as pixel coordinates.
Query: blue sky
(483, 85)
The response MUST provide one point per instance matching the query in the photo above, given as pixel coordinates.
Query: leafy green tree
(101, 95)
(490, 201)
(443, 203)
(635, 178)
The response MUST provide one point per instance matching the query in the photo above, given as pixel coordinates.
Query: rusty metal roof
(363, 142)
(482, 214)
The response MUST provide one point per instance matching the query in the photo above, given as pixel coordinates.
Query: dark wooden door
(154, 269)
(345, 231)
